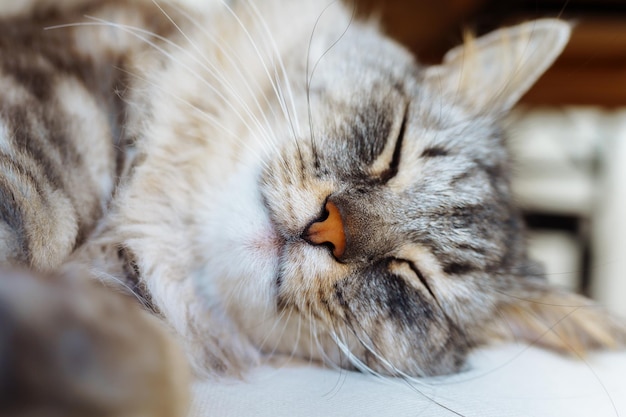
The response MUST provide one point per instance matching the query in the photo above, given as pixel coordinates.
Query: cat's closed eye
(410, 271)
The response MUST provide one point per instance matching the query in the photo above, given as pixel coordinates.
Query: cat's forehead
(360, 61)
(364, 107)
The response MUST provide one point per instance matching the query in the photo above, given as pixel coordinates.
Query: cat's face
(385, 235)
(394, 214)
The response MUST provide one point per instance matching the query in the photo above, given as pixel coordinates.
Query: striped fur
(180, 156)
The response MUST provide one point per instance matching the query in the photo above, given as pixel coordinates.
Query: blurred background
(568, 135)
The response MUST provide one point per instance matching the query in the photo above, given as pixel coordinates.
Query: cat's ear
(539, 314)
(491, 73)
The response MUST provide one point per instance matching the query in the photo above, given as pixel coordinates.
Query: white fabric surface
(507, 381)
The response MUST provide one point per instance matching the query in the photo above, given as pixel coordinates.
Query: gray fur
(209, 162)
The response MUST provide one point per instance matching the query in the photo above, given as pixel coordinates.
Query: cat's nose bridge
(330, 230)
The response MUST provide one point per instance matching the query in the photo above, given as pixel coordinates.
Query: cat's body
(275, 178)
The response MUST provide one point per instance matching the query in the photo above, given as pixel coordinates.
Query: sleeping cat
(246, 180)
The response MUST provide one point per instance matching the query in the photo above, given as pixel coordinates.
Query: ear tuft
(491, 73)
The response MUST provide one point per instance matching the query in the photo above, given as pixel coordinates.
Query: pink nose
(329, 230)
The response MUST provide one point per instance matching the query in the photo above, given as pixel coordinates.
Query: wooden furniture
(591, 71)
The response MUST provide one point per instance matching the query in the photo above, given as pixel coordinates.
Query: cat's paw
(70, 347)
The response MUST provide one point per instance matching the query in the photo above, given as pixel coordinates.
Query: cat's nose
(329, 230)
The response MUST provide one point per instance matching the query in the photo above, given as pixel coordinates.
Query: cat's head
(388, 237)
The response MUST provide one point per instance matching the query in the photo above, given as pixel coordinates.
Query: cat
(197, 188)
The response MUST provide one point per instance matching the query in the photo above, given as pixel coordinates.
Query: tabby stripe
(36, 146)
(8, 163)
(468, 247)
(15, 197)
(11, 213)
(422, 279)
(434, 152)
(27, 142)
(36, 80)
(457, 268)
(58, 136)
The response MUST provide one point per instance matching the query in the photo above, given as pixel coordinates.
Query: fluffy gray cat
(246, 180)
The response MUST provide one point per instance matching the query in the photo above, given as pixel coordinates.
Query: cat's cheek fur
(539, 314)
(462, 298)
(309, 320)
(269, 285)
(241, 250)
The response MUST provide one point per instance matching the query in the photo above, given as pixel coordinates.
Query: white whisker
(282, 67)
(217, 74)
(260, 56)
(230, 55)
(108, 279)
(203, 114)
(282, 332)
(270, 332)
(137, 33)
